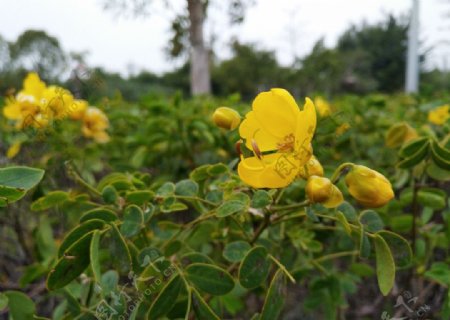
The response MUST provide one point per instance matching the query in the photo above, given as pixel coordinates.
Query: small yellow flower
(321, 190)
(95, 124)
(311, 168)
(369, 187)
(13, 150)
(226, 118)
(280, 135)
(439, 115)
(56, 102)
(322, 106)
(342, 129)
(77, 110)
(399, 134)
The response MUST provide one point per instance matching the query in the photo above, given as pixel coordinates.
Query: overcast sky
(290, 27)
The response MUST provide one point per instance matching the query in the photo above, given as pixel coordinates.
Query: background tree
(187, 34)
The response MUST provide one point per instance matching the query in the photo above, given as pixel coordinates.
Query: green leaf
(138, 157)
(109, 194)
(437, 173)
(261, 199)
(200, 173)
(417, 157)
(164, 302)
(399, 247)
(186, 188)
(78, 232)
(72, 264)
(94, 255)
(20, 177)
(348, 211)
(196, 257)
(209, 278)
(52, 199)
(364, 244)
(139, 197)
(201, 308)
(20, 306)
(44, 240)
(440, 155)
(133, 220)
(235, 251)
(109, 281)
(230, 207)
(439, 272)
(9, 195)
(274, 302)
(103, 214)
(166, 190)
(217, 169)
(3, 301)
(371, 220)
(254, 268)
(385, 265)
(343, 220)
(119, 250)
(429, 197)
(16, 181)
(412, 147)
(172, 248)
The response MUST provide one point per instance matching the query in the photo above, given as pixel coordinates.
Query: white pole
(412, 63)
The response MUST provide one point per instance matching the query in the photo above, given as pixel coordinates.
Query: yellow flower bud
(226, 118)
(311, 168)
(369, 187)
(321, 190)
(400, 133)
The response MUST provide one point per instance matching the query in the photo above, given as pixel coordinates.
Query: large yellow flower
(280, 135)
(95, 124)
(25, 105)
(56, 102)
(439, 115)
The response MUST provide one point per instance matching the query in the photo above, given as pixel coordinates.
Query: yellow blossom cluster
(38, 105)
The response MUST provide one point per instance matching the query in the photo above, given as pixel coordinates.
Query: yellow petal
(13, 150)
(306, 125)
(32, 85)
(250, 129)
(277, 112)
(101, 137)
(335, 199)
(275, 170)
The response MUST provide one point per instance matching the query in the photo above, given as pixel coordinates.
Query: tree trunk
(200, 77)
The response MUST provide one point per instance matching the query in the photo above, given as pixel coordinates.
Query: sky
(288, 27)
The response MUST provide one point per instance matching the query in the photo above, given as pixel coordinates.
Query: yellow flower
(95, 124)
(78, 109)
(322, 106)
(20, 108)
(321, 190)
(369, 187)
(13, 150)
(56, 102)
(280, 135)
(33, 86)
(311, 168)
(342, 129)
(439, 115)
(398, 134)
(226, 118)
